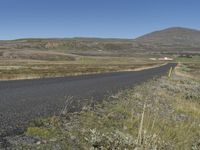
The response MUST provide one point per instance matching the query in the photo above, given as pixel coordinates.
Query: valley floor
(15, 69)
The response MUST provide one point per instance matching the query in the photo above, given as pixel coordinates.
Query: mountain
(171, 39)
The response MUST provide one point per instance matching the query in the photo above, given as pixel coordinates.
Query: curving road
(25, 100)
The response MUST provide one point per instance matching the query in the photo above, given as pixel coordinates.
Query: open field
(189, 59)
(30, 68)
(39, 58)
(159, 114)
(191, 70)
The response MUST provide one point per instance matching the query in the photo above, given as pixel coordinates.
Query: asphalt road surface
(25, 100)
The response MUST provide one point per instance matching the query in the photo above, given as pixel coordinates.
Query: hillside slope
(172, 39)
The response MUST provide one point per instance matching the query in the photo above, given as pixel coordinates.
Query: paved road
(22, 101)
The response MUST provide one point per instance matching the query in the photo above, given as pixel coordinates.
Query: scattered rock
(38, 142)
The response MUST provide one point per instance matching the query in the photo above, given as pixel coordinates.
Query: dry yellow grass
(188, 107)
(27, 69)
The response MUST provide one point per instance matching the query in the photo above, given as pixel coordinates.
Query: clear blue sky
(94, 18)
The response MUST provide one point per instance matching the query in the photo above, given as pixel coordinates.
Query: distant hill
(172, 40)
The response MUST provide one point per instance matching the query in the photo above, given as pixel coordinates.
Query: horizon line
(94, 37)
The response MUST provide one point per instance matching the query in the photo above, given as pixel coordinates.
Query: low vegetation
(27, 69)
(190, 70)
(38, 58)
(161, 114)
